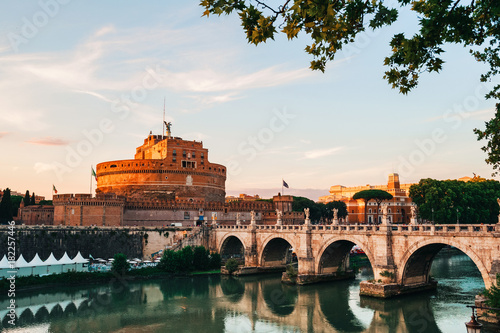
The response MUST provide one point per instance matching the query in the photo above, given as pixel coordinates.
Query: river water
(251, 304)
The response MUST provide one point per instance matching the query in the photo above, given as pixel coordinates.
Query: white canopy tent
(39, 267)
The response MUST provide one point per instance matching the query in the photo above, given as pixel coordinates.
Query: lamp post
(473, 326)
(432, 215)
(457, 217)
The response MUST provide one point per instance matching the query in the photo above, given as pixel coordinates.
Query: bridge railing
(400, 228)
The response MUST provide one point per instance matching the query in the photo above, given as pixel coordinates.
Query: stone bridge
(400, 255)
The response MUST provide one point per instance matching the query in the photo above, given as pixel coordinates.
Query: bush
(493, 295)
(201, 258)
(215, 260)
(120, 264)
(170, 262)
(232, 265)
(387, 274)
(291, 271)
(186, 259)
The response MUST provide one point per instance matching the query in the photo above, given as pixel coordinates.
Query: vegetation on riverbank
(187, 262)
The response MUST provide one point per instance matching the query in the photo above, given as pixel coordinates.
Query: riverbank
(30, 283)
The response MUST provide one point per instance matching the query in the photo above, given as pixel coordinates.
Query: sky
(83, 82)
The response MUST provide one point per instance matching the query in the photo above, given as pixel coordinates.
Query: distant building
(399, 206)
(243, 197)
(35, 214)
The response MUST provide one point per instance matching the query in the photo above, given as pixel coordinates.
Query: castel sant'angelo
(170, 180)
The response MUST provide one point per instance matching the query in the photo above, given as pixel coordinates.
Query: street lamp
(457, 217)
(432, 215)
(473, 326)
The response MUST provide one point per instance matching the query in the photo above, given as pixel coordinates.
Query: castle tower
(393, 182)
(165, 168)
(283, 202)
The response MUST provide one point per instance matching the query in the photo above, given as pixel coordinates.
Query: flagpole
(91, 181)
(282, 189)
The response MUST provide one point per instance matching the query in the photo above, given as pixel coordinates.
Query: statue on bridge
(335, 216)
(252, 214)
(306, 212)
(385, 212)
(238, 218)
(413, 216)
(279, 216)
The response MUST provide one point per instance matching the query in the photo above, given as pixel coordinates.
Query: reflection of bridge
(401, 256)
(234, 305)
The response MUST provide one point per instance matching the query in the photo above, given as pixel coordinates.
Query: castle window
(193, 154)
(184, 153)
(188, 164)
(202, 162)
(202, 155)
(112, 166)
(174, 159)
(174, 153)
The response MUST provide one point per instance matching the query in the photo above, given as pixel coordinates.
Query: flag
(93, 173)
(285, 184)
(54, 188)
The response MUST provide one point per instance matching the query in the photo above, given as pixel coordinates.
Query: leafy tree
(15, 203)
(333, 24)
(492, 136)
(120, 264)
(186, 259)
(45, 203)
(170, 261)
(201, 258)
(341, 206)
(493, 295)
(377, 195)
(27, 198)
(215, 260)
(299, 203)
(33, 201)
(449, 201)
(232, 266)
(6, 207)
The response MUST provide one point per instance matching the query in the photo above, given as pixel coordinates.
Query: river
(251, 304)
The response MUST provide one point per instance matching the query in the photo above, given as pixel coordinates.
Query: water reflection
(251, 304)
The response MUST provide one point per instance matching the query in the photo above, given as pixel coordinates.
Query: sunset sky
(84, 82)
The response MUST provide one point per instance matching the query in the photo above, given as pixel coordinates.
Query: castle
(170, 181)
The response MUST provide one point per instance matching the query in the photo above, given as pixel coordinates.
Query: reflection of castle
(170, 180)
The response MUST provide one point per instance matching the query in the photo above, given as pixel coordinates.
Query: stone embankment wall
(100, 242)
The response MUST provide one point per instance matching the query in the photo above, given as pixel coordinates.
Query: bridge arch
(344, 242)
(418, 259)
(274, 248)
(231, 246)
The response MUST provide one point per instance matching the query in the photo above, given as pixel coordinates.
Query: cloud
(92, 93)
(216, 99)
(209, 80)
(2, 134)
(48, 141)
(318, 153)
(40, 167)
